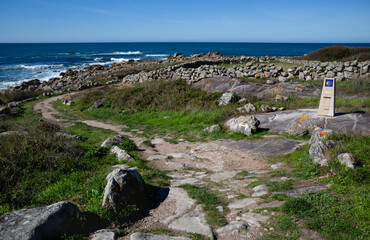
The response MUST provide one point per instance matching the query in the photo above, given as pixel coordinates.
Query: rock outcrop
(121, 154)
(349, 160)
(124, 186)
(116, 140)
(38, 223)
(243, 124)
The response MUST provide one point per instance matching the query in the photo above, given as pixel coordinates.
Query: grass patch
(327, 214)
(210, 201)
(41, 167)
(301, 164)
(279, 186)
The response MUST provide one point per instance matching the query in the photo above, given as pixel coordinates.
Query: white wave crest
(128, 53)
(120, 53)
(156, 55)
(118, 60)
(41, 66)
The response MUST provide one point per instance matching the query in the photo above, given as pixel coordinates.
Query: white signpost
(327, 101)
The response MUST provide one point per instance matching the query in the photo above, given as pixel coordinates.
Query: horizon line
(183, 42)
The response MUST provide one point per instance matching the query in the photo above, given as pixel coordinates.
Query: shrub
(339, 53)
(163, 95)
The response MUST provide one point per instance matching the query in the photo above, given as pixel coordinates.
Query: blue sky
(189, 21)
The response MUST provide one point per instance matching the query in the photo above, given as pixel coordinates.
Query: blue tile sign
(329, 82)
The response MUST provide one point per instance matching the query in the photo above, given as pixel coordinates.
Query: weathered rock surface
(193, 222)
(190, 181)
(98, 104)
(158, 140)
(346, 123)
(220, 176)
(213, 128)
(260, 190)
(150, 236)
(124, 186)
(121, 154)
(157, 157)
(298, 191)
(243, 88)
(48, 222)
(349, 160)
(226, 98)
(183, 203)
(243, 124)
(266, 147)
(317, 152)
(243, 203)
(116, 140)
(301, 125)
(103, 234)
(320, 134)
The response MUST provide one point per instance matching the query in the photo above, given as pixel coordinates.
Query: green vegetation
(40, 167)
(210, 201)
(343, 212)
(339, 53)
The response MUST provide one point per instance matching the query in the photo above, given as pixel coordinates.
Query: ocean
(22, 62)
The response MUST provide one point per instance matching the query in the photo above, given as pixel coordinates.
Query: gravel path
(214, 164)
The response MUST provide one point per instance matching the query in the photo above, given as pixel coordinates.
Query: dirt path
(215, 165)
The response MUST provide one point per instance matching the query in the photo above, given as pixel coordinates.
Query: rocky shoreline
(194, 68)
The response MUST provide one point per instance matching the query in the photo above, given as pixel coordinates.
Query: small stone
(243, 203)
(103, 234)
(247, 125)
(281, 98)
(282, 79)
(242, 101)
(98, 104)
(158, 140)
(349, 160)
(226, 98)
(320, 134)
(121, 154)
(277, 165)
(157, 157)
(213, 128)
(116, 140)
(260, 190)
(220, 209)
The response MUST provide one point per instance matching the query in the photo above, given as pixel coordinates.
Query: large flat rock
(243, 88)
(193, 222)
(342, 122)
(150, 236)
(265, 147)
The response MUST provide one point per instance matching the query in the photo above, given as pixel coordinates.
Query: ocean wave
(120, 53)
(98, 59)
(118, 60)
(42, 77)
(156, 55)
(30, 67)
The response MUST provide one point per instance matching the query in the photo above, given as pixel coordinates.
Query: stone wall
(193, 72)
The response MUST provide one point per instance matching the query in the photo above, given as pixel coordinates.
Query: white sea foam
(98, 59)
(128, 53)
(41, 66)
(119, 60)
(156, 55)
(121, 53)
(45, 76)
